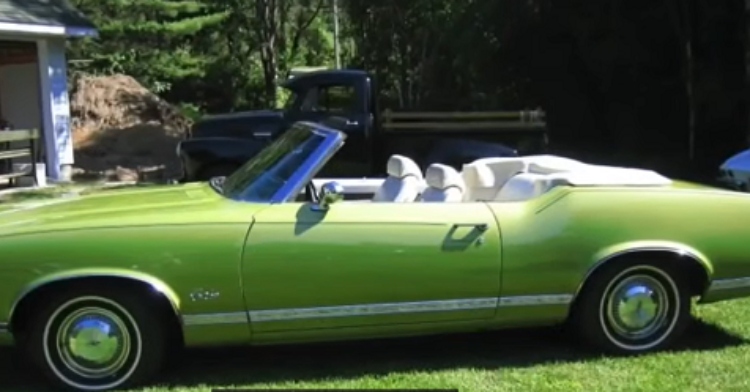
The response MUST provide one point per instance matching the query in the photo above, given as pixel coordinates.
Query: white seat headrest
(478, 175)
(400, 166)
(442, 177)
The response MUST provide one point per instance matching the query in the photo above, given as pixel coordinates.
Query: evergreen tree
(158, 41)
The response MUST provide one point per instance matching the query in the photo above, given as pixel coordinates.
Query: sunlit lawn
(713, 357)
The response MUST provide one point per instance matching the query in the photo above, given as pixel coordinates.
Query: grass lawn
(713, 357)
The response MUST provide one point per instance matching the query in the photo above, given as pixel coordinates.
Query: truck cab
(345, 100)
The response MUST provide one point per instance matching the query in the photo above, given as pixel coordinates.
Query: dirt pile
(120, 128)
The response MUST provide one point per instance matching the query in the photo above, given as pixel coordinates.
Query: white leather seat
(480, 182)
(444, 184)
(503, 168)
(526, 186)
(404, 181)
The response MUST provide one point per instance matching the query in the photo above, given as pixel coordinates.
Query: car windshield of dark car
(262, 176)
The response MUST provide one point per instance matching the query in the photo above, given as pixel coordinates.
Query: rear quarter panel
(550, 244)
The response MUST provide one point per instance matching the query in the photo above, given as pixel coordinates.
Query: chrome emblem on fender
(203, 295)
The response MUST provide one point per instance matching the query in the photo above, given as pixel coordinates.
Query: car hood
(168, 204)
(738, 162)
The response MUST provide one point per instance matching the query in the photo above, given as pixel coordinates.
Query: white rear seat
(444, 184)
(480, 182)
(404, 181)
(503, 168)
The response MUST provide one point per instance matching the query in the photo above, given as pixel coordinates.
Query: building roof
(51, 13)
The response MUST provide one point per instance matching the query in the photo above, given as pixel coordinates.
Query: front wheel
(633, 308)
(91, 341)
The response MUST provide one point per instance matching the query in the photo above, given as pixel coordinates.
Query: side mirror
(330, 193)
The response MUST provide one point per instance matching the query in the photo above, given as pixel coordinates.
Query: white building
(33, 74)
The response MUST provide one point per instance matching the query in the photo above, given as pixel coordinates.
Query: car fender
(603, 256)
(735, 171)
(141, 277)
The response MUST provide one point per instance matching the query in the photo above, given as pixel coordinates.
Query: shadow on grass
(487, 350)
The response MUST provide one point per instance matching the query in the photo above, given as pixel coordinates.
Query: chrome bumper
(725, 289)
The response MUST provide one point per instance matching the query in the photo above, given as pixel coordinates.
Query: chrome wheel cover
(640, 308)
(92, 343)
(637, 307)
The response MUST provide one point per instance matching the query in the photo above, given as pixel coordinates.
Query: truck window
(330, 99)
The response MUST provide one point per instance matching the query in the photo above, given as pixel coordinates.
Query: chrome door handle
(480, 226)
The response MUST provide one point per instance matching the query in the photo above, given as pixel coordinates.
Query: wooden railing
(456, 121)
(8, 152)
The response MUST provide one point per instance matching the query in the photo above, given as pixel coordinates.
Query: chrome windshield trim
(333, 140)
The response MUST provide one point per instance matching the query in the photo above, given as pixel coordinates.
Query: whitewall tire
(632, 308)
(92, 340)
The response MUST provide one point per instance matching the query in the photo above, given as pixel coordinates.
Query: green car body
(230, 271)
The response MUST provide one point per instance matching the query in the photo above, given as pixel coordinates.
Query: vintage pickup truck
(346, 100)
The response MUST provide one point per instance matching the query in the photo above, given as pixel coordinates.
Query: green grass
(713, 356)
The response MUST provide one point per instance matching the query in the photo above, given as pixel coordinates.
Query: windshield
(263, 175)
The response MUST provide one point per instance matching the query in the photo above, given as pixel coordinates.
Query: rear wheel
(87, 340)
(632, 308)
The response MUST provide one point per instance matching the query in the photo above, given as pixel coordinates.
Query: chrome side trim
(4, 328)
(373, 309)
(536, 300)
(191, 320)
(259, 316)
(729, 284)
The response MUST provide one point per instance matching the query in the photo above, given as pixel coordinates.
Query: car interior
(506, 179)
(487, 179)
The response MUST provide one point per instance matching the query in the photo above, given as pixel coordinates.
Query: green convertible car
(97, 290)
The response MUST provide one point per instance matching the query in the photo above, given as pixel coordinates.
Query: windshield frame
(331, 143)
(292, 99)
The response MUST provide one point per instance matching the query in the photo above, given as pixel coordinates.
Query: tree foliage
(609, 74)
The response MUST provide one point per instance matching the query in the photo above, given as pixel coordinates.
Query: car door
(370, 264)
